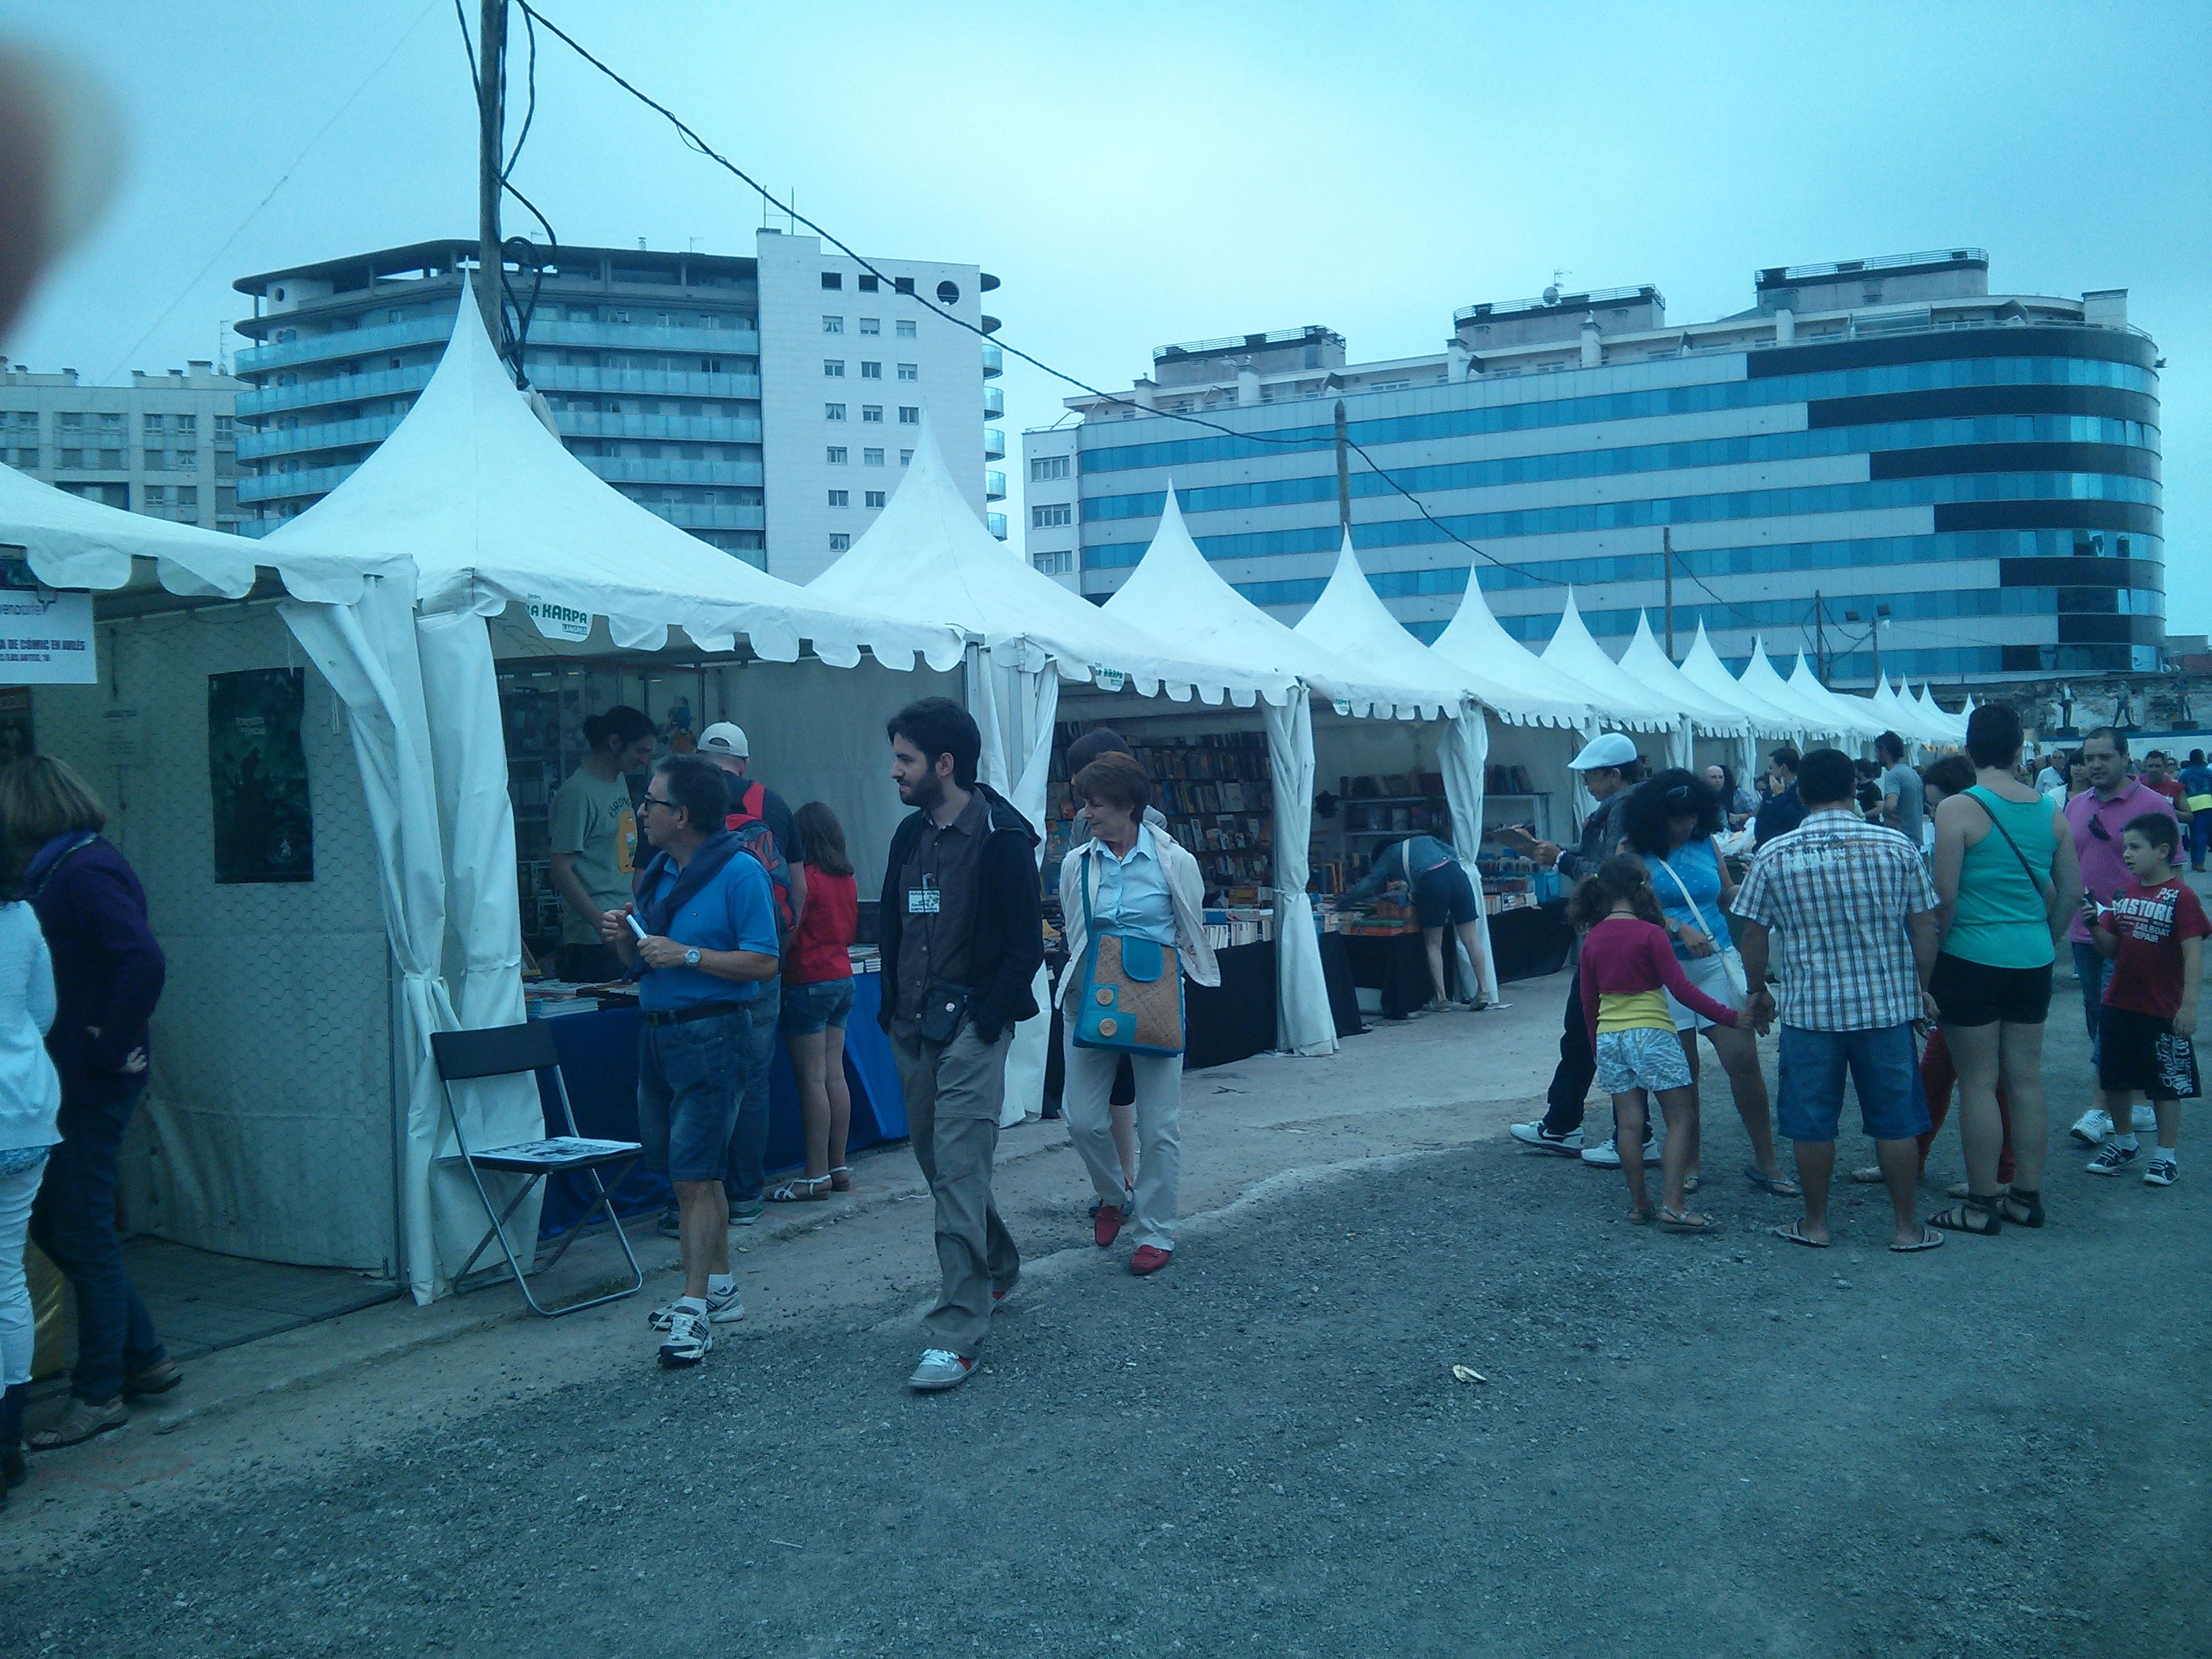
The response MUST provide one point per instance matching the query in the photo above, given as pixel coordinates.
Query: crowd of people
(1901, 927)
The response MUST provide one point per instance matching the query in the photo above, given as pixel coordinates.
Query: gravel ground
(1710, 1446)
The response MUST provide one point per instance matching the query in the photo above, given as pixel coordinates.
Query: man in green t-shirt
(594, 840)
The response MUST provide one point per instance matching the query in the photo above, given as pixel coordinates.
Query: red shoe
(1149, 1259)
(1106, 1224)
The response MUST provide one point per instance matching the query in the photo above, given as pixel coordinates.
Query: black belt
(697, 1011)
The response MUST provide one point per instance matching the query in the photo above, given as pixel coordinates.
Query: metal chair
(506, 1051)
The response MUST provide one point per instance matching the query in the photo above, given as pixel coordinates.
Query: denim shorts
(1444, 897)
(689, 1080)
(1644, 1058)
(1884, 1065)
(810, 1008)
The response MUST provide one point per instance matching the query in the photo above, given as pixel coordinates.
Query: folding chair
(505, 1051)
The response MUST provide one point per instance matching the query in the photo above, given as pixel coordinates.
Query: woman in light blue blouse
(30, 1104)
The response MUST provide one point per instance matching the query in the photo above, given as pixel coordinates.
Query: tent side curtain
(1304, 1021)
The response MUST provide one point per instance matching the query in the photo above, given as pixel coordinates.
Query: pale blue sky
(1147, 173)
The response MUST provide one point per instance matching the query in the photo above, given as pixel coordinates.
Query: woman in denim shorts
(818, 995)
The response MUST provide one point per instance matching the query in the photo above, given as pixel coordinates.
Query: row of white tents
(471, 514)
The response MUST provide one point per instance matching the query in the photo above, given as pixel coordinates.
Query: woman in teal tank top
(2008, 883)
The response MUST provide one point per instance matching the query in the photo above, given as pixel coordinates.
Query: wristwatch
(691, 957)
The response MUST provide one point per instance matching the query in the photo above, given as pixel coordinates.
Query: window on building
(188, 498)
(909, 414)
(906, 328)
(867, 283)
(841, 498)
(1050, 516)
(871, 371)
(872, 458)
(873, 498)
(157, 460)
(70, 419)
(185, 423)
(871, 325)
(838, 544)
(395, 316)
(26, 418)
(872, 412)
(906, 457)
(155, 423)
(836, 454)
(71, 460)
(111, 423)
(948, 294)
(111, 460)
(834, 367)
(153, 498)
(904, 285)
(24, 459)
(832, 411)
(832, 279)
(833, 324)
(1045, 468)
(1058, 563)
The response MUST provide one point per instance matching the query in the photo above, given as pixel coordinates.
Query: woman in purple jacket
(107, 977)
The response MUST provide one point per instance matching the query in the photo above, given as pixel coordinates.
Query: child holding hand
(2153, 931)
(1627, 961)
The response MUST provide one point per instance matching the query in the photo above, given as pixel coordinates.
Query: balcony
(637, 469)
(437, 328)
(326, 435)
(994, 360)
(559, 377)
(997, 521)
(647, 337)
(335, 389)
(434, 330)
(306, 481)
(698, 429)
(994, 444)
(693, 515)
(994, 485)
(994, 404)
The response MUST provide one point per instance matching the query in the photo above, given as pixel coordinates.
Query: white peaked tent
(929, 554)
(1952, 726)
(1512, 681)
(1648, 664)
(1615, 693)
(1763, 681)
(1350, 619)
(494, 512)
(1704, 669)
(1174, 580)
(1856, 716)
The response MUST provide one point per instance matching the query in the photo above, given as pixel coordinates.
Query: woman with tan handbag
(1132, 903)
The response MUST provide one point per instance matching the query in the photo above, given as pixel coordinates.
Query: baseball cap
(724, 739)
(1612, 749)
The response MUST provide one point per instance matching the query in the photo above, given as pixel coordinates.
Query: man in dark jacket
(1780, 812)
(962, 938)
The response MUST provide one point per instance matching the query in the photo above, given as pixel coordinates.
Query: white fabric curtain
(1463, 755)
(1746, 762)
(1304, 1023)
(483, 943)
(367, 652)
(1015, 709)
(1681, 746)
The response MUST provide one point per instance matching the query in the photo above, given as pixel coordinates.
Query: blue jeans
(745, 1174)
(2094, 973)
(73, 1221)
(1884, 1063)
(687, 1094)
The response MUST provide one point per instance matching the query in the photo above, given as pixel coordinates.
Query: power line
(282, 180)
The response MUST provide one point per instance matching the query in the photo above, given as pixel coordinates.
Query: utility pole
(1667, 552)
(1343, 473)
(491, 159)
(1820, 634)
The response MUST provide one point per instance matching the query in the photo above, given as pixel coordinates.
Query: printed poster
(45, 633)
(257, 771)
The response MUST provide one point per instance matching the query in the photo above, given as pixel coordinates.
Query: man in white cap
(1608, 765)
(753, 804)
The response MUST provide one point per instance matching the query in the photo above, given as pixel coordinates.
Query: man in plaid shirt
(1846, 910)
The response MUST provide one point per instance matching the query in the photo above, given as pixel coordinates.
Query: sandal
(1640, 1217)
(841, 1178)
(1871, 1176)
(155, 1379)
(1794, 1233)
(1780, 1186)
(807, 1189)
(2029, 1206)
(1930, 1240)
(1960, 1217)
(1685, 1221)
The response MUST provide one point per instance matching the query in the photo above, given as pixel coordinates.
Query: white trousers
(1083, 1097)
(17, 1332)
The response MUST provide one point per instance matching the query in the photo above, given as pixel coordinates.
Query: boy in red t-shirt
(2153, 930)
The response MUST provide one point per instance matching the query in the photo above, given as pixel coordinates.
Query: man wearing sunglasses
(2097, 816)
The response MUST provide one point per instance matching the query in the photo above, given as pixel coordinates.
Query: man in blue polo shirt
(708, 926)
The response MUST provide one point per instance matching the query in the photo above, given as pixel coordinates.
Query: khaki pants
(1087, 1086)
(953, 1093)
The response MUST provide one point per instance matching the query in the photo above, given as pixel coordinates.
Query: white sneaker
(940, 1368)
(722, 1308)
(1535, 1135)
(1607, 1154)
(689, 1339)
(2093, 1125)
(2145, 1117)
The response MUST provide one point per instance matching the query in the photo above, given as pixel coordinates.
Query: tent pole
(491, 143)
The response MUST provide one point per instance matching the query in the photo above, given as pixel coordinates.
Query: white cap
(1612, 749)
(724, 739)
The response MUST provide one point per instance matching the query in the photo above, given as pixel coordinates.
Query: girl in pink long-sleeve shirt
(1627, 964)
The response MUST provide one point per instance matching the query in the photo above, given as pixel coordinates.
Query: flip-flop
(1685, 1221)
(1930, 1240)
(1780, 1186)
(1794, 1233)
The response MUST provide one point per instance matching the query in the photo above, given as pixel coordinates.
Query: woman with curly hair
(1670, 823)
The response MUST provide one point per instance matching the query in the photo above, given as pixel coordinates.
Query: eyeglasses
(651, 801)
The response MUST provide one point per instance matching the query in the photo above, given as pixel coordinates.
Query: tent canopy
(1704, 669)
(1350, 620)
(1504, 673)
(928, 553)
(1649, 667)
(1615, 691)
(1174, 581)
(1763, 680)
(1850, 717)
(495, 512)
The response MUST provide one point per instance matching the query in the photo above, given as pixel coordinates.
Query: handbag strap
(2042, 887)
(1682, 887)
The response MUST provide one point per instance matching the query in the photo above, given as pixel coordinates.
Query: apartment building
(164, 444)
